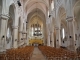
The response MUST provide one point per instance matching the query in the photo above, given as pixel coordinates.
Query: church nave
(39, 29)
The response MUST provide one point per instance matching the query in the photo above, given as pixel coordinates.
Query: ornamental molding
(15, 27)
(4, 17)
(23, 32)
(69, 19)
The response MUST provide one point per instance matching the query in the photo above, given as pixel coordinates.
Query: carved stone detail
(69, 19)
(4, 17)
(15, 27)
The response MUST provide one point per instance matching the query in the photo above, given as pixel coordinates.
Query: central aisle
(37, 55)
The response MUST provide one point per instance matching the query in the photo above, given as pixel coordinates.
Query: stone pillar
(20, 34)
(52, 39)
(4, 20)
(51, 33)
(58, 39)
(48, 38)
(70, 27)
(48, 41)
(15, 36)
(25, 35)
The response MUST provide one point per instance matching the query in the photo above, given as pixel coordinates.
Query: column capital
(57, 28)
(4, 17)
(15, 27)
(69, 19)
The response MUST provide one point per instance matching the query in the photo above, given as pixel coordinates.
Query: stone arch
(29, 10)
(63, 24)
(29, 2)
(76, 12)
(62, 13)
(12, 11)
(63, 34)
(40, 14)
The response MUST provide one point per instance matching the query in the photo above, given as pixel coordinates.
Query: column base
(71, 48)
(2, 49)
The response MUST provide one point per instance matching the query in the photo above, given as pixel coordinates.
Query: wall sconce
(57, 39)
(21, 38)
(63, 41)
(50, 41)
(15, 39)
(26, 22)
(19, 4)
(49, 16)
(3, 36)
(79, 35)
(70, 36)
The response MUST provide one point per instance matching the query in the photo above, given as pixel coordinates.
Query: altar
(36, 42)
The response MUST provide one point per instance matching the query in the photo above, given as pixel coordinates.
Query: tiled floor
(37, 55)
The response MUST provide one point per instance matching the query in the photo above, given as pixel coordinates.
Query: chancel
(39, 29)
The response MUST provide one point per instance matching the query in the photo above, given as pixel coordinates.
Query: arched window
(8, 32)
(35, 28)
(32, 31)
(52, 5)
(48, 12)
(63, 33)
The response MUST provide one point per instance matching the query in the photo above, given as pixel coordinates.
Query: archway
(10, 27)
(37, 17)
(63, 26)
(63, 35)
(36, 28)
(77, 23)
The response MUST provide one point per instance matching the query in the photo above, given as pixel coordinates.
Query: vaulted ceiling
(33, 7)
(30, 5)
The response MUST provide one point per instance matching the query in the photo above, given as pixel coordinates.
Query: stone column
(20, 33)
(52, 39)
(70, 27)
(48, 36)
(25, 35)
(4, 20)
(51, 32)
(58, 39)
(15, 36)
(48, 41)
(28, 35)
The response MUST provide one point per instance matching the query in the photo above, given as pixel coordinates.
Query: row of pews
(23, 53)
(52, 53)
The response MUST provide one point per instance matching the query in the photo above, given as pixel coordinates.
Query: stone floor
(37, 55)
